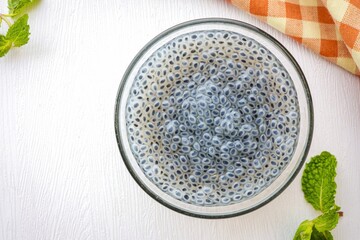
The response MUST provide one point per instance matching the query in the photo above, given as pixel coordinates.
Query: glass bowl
(305, 125)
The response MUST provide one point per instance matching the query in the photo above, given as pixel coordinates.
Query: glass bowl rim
(185, 24)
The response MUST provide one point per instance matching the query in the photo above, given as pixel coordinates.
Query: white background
(61, 174)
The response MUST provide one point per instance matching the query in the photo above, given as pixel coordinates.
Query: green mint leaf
(304, 231)
(5, 45)
(318, 181)
(19, 33)
(327, 221)
(328, 235)
(318, 229)
(316, 235)
(17, 6)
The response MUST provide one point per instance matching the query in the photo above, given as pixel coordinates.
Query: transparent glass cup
(305, 129)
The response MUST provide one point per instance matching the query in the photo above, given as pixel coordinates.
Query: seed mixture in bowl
(212, 118)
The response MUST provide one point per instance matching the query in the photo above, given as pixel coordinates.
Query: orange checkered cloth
(330, 28)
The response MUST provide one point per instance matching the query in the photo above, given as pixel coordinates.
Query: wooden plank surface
(61, 174)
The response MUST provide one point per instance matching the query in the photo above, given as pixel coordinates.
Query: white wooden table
(61, 174)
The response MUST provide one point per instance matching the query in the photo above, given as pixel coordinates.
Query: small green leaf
(328, 235)
(316, 235)
(327, 221)
(304, 231)
(16, 6)
(318, 181)
(19, 33)
(5, 45)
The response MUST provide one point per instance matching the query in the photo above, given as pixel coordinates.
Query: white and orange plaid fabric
(330, 28)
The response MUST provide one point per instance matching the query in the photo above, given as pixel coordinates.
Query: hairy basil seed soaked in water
(212, 118)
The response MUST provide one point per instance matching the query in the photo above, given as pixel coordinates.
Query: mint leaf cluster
(319, 187)
(18, 28)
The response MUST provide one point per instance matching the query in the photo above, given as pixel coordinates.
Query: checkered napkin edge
(330, 28)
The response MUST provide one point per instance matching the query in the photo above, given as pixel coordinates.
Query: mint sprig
(319, 187)
(18, 28)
